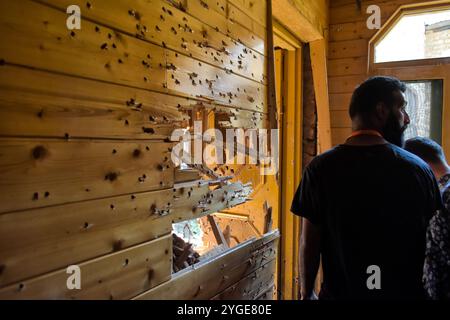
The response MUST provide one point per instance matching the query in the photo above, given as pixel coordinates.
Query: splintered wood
(183, 254)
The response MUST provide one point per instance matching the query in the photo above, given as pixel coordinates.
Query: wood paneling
(86, 175)
(189, 38)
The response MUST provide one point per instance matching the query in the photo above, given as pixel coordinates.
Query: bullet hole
(107, 66)
(176, 55)
(136, 153)
(66, 136)
(111, 176)
(109, 36)
(148, 130)
(47, 194)
(114, 46)
(158, 29)
(112, 207)
(114, 151)
(97, 29)
(161, 183)
(87, 190)
(120, 61)
(162, 18)
(35, 196)
(39, 152)
(133, 197)
(86, 225)
(164, 44)
(177, 81)
(104, 46)
(72, 34)
(142, 179)
(88, 5)
(160, 167)
(126, 262)
(166, 251)
(145, 79)
(21, 287)
(126, 122)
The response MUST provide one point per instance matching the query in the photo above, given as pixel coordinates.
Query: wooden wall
(348, 55)
(85, 170)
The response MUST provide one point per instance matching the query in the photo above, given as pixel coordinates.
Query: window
(425, 109)
(415, 36)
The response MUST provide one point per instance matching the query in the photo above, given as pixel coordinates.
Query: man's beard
(393, 132)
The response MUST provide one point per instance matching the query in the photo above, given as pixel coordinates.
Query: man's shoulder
(411, 159)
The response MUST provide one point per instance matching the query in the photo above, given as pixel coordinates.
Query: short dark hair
(426, 149)
(371, 92)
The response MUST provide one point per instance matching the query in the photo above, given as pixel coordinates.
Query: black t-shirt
(372, 204)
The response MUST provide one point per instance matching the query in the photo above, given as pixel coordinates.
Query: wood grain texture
(48, 172)
(120, 275)
(38, 241)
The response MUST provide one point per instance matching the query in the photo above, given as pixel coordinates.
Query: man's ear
(382, 112)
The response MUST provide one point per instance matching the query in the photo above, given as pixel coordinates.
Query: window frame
(417, 70)
(406, 10)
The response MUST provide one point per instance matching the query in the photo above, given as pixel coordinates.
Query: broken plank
(208, 278)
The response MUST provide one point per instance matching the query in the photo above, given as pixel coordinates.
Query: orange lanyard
(365, 132)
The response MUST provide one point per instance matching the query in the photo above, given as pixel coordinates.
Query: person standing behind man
(366, 205)
(437, 257)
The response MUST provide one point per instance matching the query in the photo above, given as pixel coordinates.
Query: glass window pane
(414, 37)
(424, 109)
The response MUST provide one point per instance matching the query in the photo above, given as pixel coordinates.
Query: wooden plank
(252, 286)
(253, 10)
(351, 13)
(37, 103)
(41, 40)
(151, 21)
(37, 173)
(305, 19)
(38, 241)
(351, 31)
(348, 49)
(120, 275)
(205, 81)
(195, 199)
(340, 101)
(217, 232)
(207, 278)
(347, 67)
(320, 77)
